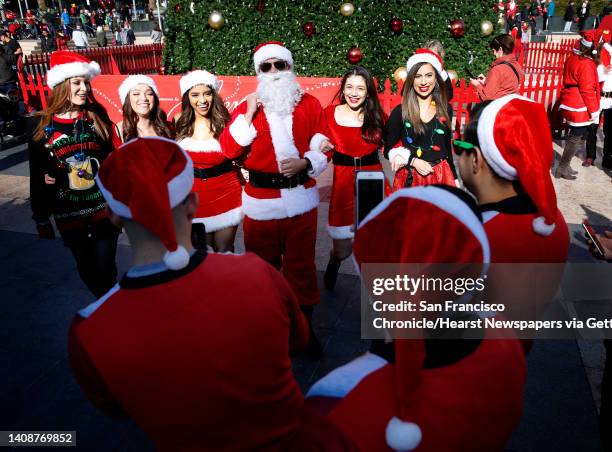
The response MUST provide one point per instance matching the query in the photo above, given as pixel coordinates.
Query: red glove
(45, 231)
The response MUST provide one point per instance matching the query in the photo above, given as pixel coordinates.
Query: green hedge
(191, 43)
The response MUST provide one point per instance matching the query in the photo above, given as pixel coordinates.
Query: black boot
(331, 273)
(313, 350)
(571, 146)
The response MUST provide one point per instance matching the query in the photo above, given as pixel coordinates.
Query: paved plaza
(40, 291)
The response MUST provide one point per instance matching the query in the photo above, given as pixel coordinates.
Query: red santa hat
(143, 181)
(132, 81)
(588, 37)
(199, 77)
(271, 49)
(605, 56)
(64, 65)
(425, 56)
(516, 142)
(451, 219)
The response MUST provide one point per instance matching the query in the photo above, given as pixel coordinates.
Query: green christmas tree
(193, 44)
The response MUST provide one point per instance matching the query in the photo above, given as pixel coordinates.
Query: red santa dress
(348, 142)
(217, 184)
(199, 362)
(280, 224)
(580, 96)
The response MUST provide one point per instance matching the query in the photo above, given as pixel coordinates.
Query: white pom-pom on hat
(403, 436)
(177, 259)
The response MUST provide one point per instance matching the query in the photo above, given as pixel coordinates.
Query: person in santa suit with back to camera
(443, 389)
(604, 70)
(172, 345)
(283, 131)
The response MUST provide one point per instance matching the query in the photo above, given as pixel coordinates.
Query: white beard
(279, 92)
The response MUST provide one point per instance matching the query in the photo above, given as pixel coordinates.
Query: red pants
(288, 244)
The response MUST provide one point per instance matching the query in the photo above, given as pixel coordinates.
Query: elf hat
(516, 142)
(271, 49)
(425, 56)
(143, 181)
(132, 81)
(64, 65)
(452, 219)
(199, 77)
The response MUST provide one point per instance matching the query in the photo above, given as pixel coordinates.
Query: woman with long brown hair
(72, 139)
(216, 180)
(357, 124)
(142, 116)
(418, 131)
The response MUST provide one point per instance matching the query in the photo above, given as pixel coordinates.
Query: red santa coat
(199, 363)
(272, 139)
(580, 94)
(219, 197)
(348, 141)
(472, 404)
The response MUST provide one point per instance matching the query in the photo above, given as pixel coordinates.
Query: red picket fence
(136, 59)
(547, 57)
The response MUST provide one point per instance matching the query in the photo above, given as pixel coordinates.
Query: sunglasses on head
(459, 147)
(280, 65)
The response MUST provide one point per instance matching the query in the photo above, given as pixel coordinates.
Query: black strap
(518, 77)
(260, 179)
(341, 159)
(213, 171)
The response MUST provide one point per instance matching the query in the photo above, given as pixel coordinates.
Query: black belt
(213, 171)
(259, 179)
(341, 159)
(606, 94)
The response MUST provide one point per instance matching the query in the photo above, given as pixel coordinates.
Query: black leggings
(95, 259)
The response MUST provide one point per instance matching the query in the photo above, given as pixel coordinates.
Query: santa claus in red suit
(195, 359)
(283, 132)
(437, 394)
(579, 100)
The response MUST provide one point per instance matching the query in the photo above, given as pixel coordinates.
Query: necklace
(437, 133)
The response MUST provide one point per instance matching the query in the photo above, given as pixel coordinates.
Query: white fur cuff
(318, 161)
(243, 133)
(316, 140)
(402, 152)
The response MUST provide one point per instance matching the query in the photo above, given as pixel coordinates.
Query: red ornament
(442, 119)
(177, 8)
(396, 25)
(457, 28)
(354, 55)
(162, 70)
(260, 6)
(309, 29)
(435, 148)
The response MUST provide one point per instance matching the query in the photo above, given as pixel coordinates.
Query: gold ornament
(347, 9)
(486, 27)
(501, 20)
(419, 152)
(400, 74)
(216, 20)
(453, 74)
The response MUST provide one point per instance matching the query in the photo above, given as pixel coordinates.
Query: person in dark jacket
(583, 14)
(47, 42)
(568, 17)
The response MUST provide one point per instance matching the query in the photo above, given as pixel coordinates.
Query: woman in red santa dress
(356, 125)
(216, 178)
(142, 115)
(418, 134)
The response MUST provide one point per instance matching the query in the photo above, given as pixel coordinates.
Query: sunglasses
(280, 65)
(459, 147)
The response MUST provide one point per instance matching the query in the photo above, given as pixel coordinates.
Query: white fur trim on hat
(424, 58)
(199, 77)
(177, 259)
(486, 129)
(272, 51)
(134, 80)
(403, 436)
(61, 72)
(586, 43)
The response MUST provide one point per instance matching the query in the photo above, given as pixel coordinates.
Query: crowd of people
(195, 343)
